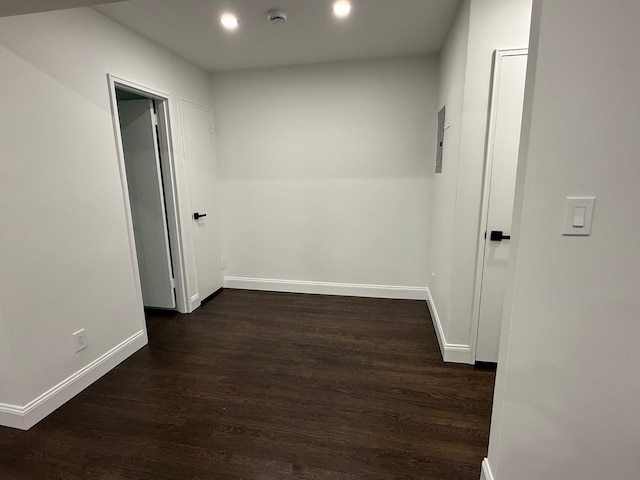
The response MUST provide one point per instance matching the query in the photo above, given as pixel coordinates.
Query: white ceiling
(375, 29)
(19, 7)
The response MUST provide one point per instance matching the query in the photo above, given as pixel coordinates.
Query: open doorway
(143, 138)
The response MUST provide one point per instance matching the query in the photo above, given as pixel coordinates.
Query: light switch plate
(575, 215)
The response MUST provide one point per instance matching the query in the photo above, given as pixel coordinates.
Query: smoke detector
(276, 17)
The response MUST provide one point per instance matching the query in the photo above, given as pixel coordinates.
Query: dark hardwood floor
(258, 385)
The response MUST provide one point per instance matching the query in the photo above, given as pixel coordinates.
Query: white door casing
(503, 144)
(146, 195)
(197, 127)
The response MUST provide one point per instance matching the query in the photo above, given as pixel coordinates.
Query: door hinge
(173, 283)
(154, 117)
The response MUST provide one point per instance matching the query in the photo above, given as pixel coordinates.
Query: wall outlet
(80, 340)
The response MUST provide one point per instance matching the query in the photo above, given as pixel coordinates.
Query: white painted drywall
(492, 24)
(325, 170)
(567, 391)
(453, 67)
(9, 392)
(65, 261)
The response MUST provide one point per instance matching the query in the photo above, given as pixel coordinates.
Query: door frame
(494, 88)
(167, 161)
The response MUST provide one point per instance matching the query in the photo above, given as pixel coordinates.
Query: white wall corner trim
(486, 470)
(451, 352)
(327, 288)
(25, 417)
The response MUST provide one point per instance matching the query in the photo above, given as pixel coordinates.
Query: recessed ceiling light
(229, 21)
(342, 8)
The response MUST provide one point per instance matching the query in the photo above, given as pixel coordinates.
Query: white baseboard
(194, 302)
(486, 470)
(325, 288)
(451, 352)
(25, 417)
(11, 416)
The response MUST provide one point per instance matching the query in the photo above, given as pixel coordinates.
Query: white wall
(65, 260)
(492, 24)
(567, 390)
(325, 170)
(9, 393)
(453, 68)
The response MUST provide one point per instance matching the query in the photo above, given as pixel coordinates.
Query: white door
(144, 182)
(502, 159)
(201, 165)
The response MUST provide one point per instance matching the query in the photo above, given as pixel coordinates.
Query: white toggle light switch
(579, 214)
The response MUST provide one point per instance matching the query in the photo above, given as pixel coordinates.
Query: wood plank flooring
(258, 385)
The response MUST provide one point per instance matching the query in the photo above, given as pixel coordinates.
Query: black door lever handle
(497, 236)
(197, 216)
